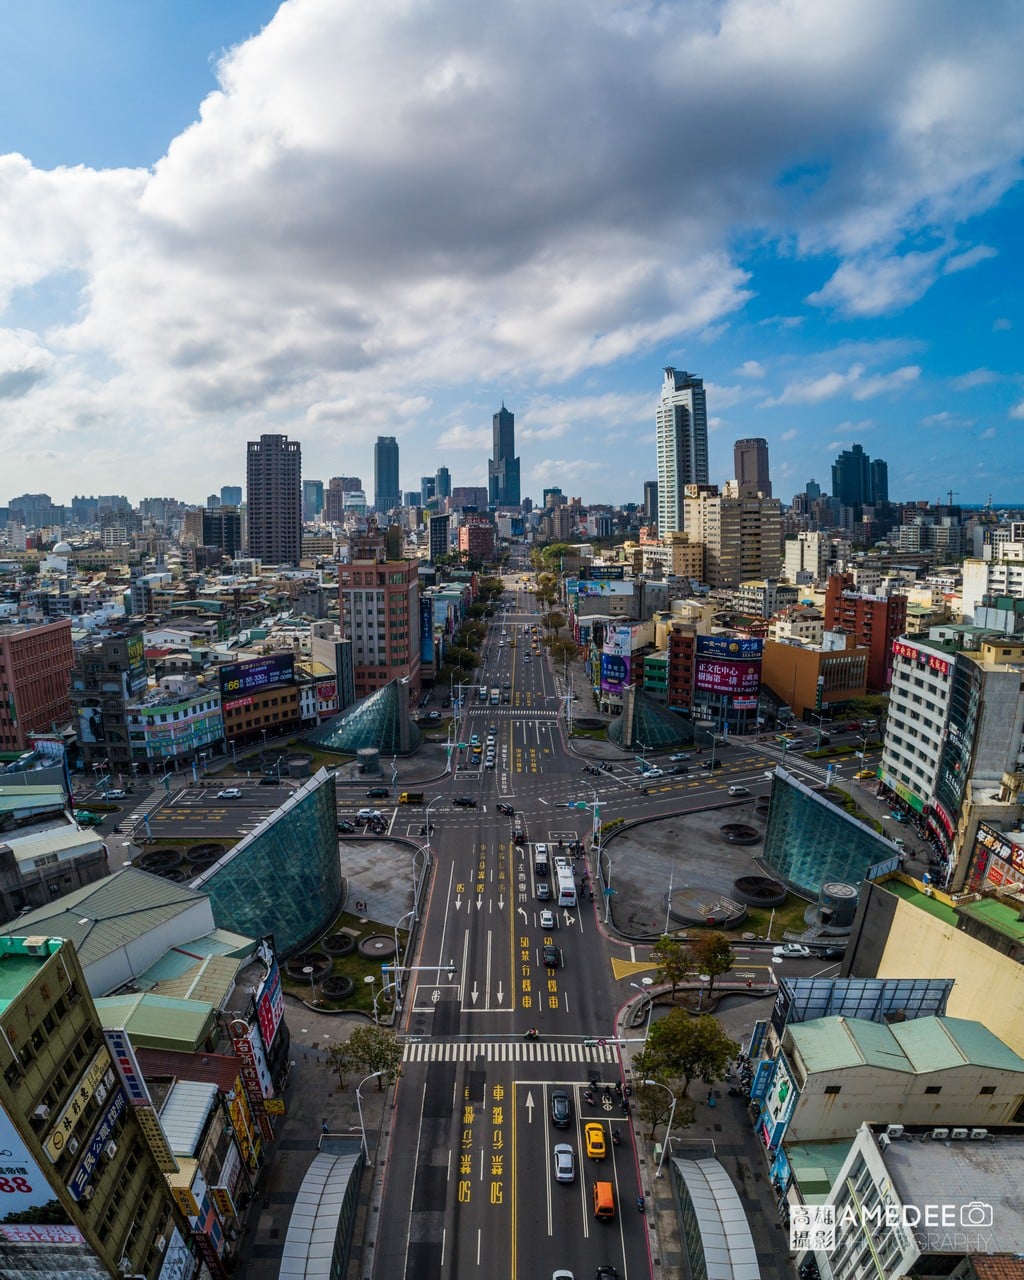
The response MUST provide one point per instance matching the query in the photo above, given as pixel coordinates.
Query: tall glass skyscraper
(503, 468)
(857, 481)
(387, 492)
(442, 484)
(682, 441)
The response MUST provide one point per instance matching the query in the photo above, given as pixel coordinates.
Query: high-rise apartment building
(379, 607)
(312, 500)
(476, 538)
(35, 675)
(750, 461)
(274, 499)
(742, 536)
(85, 1157)
(334, 496)
(387, 493)
(439, 537)
(222, 527)
(503, 467)
(682, 442)
(108, 676)
(876, 621)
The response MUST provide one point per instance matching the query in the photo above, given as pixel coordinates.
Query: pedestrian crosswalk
(506, 1051)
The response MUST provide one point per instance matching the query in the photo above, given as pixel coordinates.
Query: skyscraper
(428, 485)
(879, 482)
(230, 495)
(750, 459)
(442, 485)
(387, 492)
(503, 467)
(682, 442)
(857, 481)
(650, 500)
(312, 499)
(273, 477)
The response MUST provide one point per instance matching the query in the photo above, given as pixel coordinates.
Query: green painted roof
(997, 915)
(158, 1022)
(816, 1166)
(108, 914)
(927, 902)
(918, 1046)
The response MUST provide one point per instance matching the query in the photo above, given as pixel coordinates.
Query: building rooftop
(816, 1166)
(935, 904)
(961, 1174)
(158, 1022)
(918, 1046)
(109, 914)
(998, 915)
(19, 959)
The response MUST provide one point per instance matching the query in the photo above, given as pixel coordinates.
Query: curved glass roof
(653, 725)
(378, 720)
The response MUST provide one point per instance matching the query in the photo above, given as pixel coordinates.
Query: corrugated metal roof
(211, 980)
(63, 838)
(932, 1043)
(828, 1044)
(212, 1068)
(158, 1022)
(726, 1242)
(185, 1113)
(183, 958)
(102, 917)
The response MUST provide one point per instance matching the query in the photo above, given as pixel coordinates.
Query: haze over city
(339, 221)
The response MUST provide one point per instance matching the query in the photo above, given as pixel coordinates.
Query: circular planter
(316, 960)
(203, 856)
(338, 944)
(759, 891)
(160, 861)
(336, 987)
(740, 833)
(378, 946)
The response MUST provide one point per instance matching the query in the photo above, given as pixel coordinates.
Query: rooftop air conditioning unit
(42, 1112)
(883, 1142)
(894, 1131)
(978, 1135)
(939, 1133)
(958, 1134)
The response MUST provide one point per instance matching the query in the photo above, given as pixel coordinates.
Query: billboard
(23, 1184)
(614, 672)
(714, 675)
(241, 677)
(426, 629)
(609, 572)
(270, 1006)
(730, 647)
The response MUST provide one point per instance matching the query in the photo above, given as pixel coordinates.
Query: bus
(566, 883)
(495, 697)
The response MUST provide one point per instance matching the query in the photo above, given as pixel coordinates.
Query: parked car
(561, 1109)
(345, 827)
(230, 793)
(593, 1136)
(792, 950)
(465, 802)
(565, 1163)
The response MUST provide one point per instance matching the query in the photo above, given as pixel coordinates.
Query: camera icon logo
(976, 1213)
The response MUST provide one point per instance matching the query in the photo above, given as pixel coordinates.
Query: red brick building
(380, 613)
(35, 680)
(874, 622)
(476, 537)
(681, 644)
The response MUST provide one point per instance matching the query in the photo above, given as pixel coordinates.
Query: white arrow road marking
(529, 1107)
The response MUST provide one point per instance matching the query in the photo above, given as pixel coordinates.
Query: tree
(654, 1106)
(710, 953)
(673, 961)
(554, 621)
(681, 1047)
(338, 1056)
(372, 1049)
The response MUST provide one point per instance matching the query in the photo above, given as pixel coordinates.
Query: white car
(655, 773)
(368, 815)
(547, 919)
(117, 794)
(793, 950)
(679, 755)
(565, 1164)
(230, 793)
(738, 791)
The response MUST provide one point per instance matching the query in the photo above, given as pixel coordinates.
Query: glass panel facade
(810, 842)
(653, 726)
(374, 721)
(284, 878)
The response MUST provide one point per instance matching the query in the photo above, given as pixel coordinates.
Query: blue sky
(344, 219)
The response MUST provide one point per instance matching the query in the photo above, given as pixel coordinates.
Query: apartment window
(933, 1088)
(987, 1088)
(833, 1088)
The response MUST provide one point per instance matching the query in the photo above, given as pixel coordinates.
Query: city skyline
(207, 238)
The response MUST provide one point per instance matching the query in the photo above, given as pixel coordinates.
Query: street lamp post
(645, 995)
(359, 1107)
(370, 979)
(398, 968)
(308, 970)
(671, 1117)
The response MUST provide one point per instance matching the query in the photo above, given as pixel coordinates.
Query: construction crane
(950, 493)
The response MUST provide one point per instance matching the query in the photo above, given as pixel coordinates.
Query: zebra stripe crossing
(506, 1051)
